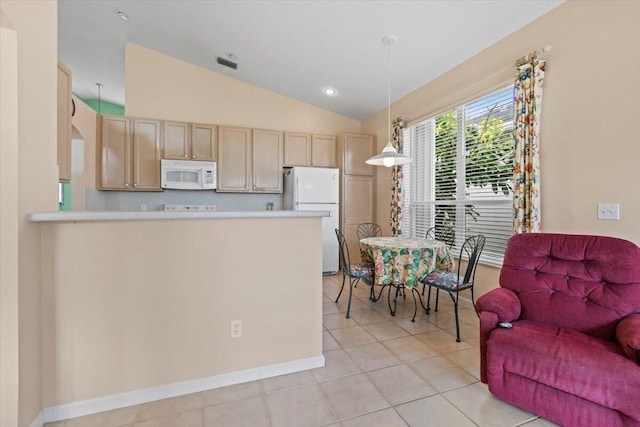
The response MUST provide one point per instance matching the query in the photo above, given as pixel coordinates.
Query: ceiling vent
(227, 63)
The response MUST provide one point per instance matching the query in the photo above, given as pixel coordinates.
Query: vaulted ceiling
(295, 48)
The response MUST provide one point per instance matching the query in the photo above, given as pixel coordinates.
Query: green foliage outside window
(488, 152)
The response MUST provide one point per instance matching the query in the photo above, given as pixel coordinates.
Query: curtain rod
(532, 55)
(411, 116)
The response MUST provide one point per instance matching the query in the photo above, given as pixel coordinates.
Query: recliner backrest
(580, 282)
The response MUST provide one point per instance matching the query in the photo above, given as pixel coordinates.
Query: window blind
(461, 175)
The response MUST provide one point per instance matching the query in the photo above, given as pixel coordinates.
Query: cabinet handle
(186, 156)
(135, 185)
(193, 157)
(127, 184)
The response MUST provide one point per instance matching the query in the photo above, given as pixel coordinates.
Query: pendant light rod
(99, 101)
(389, 40)
(389, 155)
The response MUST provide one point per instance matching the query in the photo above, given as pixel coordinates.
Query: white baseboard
(122, 400)
(38, 421)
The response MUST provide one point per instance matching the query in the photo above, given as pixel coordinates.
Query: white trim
(38, 421)
(122, 400)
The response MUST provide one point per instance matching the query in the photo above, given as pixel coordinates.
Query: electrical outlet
(610, 211)
(236, 328)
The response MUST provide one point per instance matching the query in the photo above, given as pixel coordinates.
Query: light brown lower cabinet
(357, 207)
(129, 153)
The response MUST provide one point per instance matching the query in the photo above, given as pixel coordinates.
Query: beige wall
(146, 303)
(589, 145)
(9, 339)
(158, 86)
(36, 27)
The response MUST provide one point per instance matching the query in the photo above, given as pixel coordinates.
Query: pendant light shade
(389, 155)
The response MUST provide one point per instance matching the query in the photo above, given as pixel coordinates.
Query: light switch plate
(609, 211)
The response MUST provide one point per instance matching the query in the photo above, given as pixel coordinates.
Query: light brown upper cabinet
(187, 141)
(297, 149)
(267, 161)
(302, 149)
(356, 149)
(323, 151)
(249, 160)
(234, 159)
(129, 153)
(65, 111)
(204, 142)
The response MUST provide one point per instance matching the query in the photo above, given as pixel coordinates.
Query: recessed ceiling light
(121, 14)
(329, 91)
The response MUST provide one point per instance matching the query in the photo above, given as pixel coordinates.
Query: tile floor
(380, 371)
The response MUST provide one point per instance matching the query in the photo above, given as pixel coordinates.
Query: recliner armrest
(498, 305)
(501, 301)
(628, 335)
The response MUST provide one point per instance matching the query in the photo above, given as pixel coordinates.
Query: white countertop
(155, 215)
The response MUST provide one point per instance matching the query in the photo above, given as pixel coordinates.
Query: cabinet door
(204, 142)
(146, 154)
(358, 148)
(176, 141)
(64, 122)
(357, 207)
(323, 151)
(115, 147)
(234, 159)
(267, 161)
(297, 149)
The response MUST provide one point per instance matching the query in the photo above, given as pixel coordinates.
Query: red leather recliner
(570, 348)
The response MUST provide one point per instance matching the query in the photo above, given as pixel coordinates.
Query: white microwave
(187, 175)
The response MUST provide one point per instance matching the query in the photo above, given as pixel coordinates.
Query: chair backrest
(345, 260)
(471, 250)
(368, 229)
(579, 282)
(442, 233)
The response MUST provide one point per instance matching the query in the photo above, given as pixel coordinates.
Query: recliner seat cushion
(588, 367)
(591, 368)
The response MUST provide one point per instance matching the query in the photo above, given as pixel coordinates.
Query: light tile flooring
(380, 371)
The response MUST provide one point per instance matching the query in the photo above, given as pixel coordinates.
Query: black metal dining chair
(444, 234)
(355, 272)
(364, 230)
(454, 283)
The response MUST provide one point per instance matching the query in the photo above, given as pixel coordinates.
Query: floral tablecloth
(405, 260)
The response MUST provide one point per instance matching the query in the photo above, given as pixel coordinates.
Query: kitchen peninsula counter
(163, 215)
(141, 303)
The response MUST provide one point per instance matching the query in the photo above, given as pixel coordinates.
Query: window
(462, 174)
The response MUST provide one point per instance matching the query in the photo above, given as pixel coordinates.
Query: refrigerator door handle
(296, 191)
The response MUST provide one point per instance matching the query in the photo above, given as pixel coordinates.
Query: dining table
(402, 262)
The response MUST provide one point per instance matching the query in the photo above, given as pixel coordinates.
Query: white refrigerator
(316, 189)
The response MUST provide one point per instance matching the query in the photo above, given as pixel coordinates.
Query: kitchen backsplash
(96, 200)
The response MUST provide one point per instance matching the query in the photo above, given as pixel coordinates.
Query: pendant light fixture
(389, 156)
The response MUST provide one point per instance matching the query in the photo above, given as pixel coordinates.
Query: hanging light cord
(99, 87)
(389, 42)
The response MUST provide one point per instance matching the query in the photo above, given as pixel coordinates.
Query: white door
(316, 185)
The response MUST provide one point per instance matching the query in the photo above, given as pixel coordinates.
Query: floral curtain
(396, 181)
(526, 161)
